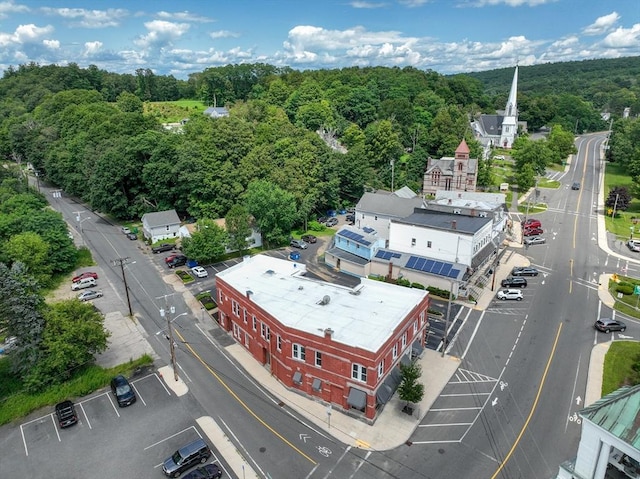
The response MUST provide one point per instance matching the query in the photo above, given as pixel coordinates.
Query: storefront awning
(357, 399)
(416, 349)
(383, 394)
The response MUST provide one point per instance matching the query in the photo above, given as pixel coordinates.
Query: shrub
(443, 293)
(417, 286)
(315, 226)
(403, 282)
(206, 300)
(625, 288)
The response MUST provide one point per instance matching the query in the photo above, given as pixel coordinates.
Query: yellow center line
(241, 402)
(533, 407)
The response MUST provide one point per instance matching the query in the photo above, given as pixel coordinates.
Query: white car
(200, 272)
(510, 294)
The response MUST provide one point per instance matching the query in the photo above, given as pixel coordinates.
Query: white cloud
(80, 17)
(508, 3)
(223, 34)
(624, 38)
(602, 24)
(412, 3)
(10, 7)
(91, 48)
(161, 33)
(364, 4)
(51, 44)
(30, 33)
(184, 17)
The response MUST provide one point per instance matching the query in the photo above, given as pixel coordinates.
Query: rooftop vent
(270, 272)
(325, 300)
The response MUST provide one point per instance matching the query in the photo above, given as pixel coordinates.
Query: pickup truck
(162, 248)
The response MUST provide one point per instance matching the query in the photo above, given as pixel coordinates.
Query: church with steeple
(500, 130)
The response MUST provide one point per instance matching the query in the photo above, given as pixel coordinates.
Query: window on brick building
(394, 351)
(235, 307)
(404, 340)
(279, 342)
(255, 323)
(298, 352)
(318, 359)
(359, 372)
(380, 369)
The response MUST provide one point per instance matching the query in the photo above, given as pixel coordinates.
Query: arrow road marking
(578, 400)
(494, 402)
(304, 437)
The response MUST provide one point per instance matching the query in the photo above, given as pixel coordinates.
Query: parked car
(84, 283)
(514, 282)
(162, 248)
(309, 239)
(606, 325)
(524, 271)
(332, 213)
(88, 274)
(298, 243)
(179, 260)
(66, 414)
(532, 231)
(332, 222)
(125, 230)
(132, 236)
(208, 471)
(171, 257)
(186, 457)
(199, 271)
(505, 294)
(634, 245)
(531, 240)
(575, 185)
(532, 223)
(351, 218)
(322, 219)
(122, 390)
(89, 294)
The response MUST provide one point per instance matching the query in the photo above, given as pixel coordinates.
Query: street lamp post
(172, 346)
(81, 220)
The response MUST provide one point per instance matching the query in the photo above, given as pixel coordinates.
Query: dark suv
(179, 260)
(186, 457)
(162, 248)
(123, 391)
(514, 282)
(66, 414)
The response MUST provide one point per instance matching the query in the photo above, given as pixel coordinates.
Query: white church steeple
(510, 121)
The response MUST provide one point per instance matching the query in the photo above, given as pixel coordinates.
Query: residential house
(376, 210)
(160, 225)
(610, 440)
(457, 173)
(353, 249)
(216, 112)
(254, 240)
(339, 345)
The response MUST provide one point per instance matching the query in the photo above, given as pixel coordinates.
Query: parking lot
(107, 441)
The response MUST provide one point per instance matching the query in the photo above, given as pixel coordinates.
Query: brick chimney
(328, 333)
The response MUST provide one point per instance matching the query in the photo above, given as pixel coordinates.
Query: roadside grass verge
(618, 365)
(15, 403)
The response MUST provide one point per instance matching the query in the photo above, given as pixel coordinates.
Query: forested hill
(588, 79)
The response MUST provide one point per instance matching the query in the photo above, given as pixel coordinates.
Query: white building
(375, 211)
(160, 225)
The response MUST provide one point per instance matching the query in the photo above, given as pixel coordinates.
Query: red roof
(463, 147)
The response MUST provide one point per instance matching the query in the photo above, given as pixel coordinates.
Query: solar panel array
(431, 266)
(352, 235)
(368, 230)
(387, 254)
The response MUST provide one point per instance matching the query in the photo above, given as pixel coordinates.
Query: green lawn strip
(547, 183)
(627, 303)
(533, 209)
(618, 364)
(15, 403)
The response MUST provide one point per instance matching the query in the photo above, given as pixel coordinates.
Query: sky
(180, 37)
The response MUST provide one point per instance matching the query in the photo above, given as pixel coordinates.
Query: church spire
(510, 121)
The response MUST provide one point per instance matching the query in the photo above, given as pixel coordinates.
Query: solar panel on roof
(428, 265)
(411, 263)
(445, 270)
(437, 267)
(381, 254)
(420, 263)
(454, 273)
(396, 255)
(366, 229)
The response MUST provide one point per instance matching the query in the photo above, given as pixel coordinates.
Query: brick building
(337, 344)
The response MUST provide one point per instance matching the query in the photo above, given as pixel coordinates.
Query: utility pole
(447, 319)
(121, 262)
(615, 206)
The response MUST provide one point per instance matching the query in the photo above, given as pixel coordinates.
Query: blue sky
(179, 37)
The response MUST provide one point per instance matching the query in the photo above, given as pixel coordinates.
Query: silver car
(531, 240)
(298, 243)
(89, 294)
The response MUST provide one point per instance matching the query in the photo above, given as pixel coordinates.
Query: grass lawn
(618, 365)
(547, 183)
(533, 208)
(626, 304)
(174, 111)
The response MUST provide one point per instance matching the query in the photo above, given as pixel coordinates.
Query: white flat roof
(365, 320)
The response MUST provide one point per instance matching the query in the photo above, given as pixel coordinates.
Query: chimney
(473, 212)
(249, 293)
(328, 333)
(453, 224)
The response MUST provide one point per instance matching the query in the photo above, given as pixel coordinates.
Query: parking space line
(138, 393)
(456, 409)
(172, 436)
(113, 405)
(447, 424)
(55, 426)
(85, 415)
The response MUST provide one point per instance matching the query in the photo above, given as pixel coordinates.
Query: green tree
(129, 103)
(207, 243)
(73, 335)
(30, 249)
(561, 143)
(410, 390)
(525, 177)
(619, 198)
(238, 223)
(535, 153)
(273, 209)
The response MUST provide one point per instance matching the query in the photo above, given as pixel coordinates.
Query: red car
(532, 231)
(88, 274)
(532, 223)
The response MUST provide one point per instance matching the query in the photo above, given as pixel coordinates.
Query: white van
(83, 283)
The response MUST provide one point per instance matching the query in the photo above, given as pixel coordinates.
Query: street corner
(178, 386)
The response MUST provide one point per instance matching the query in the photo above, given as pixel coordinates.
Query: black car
(132, 236)
(607, 325)
(179, 260)
(350, 218)
(524, 271)
(309, 238)
(208, 471)
(66, 414)
(322, 219)
(514, 282)
(123, 391)
(162, 248)
(575, 185)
